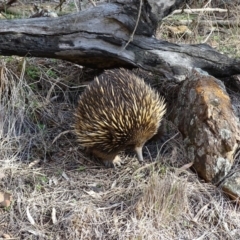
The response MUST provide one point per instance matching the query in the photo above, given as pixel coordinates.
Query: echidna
(117, 111)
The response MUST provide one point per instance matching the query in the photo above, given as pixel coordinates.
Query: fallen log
(97, 36)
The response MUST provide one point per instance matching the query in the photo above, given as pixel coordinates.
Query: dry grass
(60, 193)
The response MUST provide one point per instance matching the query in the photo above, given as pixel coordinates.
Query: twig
(197, 10)
(29, 216)
(54, 218)
(60, 134)
(208, 36)
(135, 28)
(226, 23)
(76, 5)
(205, 6)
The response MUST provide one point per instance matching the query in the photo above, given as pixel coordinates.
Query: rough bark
(96, 38)
(204, 114)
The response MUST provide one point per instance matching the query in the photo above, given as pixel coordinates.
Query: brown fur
(118, 110)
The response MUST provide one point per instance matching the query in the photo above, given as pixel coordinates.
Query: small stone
(231, 186)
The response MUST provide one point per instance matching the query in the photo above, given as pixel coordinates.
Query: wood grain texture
(95, 38)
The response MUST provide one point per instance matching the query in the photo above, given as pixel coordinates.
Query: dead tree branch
(95, 38)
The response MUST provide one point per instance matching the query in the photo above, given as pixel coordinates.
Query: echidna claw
(116, 162)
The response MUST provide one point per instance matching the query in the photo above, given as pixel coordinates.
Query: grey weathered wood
(95, 38)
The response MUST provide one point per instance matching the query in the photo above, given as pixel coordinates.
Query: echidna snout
(138, 151)
(117, 111)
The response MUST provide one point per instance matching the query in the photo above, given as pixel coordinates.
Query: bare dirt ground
(59, 192)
